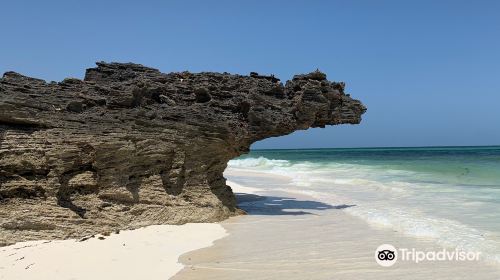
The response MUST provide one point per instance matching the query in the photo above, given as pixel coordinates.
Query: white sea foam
(386, 198)
(258, 163)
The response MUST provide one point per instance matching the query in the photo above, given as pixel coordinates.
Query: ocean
(450, 195)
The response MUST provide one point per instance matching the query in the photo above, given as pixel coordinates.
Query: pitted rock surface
(130, 146)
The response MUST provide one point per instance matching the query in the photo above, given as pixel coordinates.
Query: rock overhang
(154, 145)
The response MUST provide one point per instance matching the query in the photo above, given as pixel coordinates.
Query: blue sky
(428, 71)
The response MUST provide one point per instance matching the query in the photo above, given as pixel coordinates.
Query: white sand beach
(293, 236)
(146, 253)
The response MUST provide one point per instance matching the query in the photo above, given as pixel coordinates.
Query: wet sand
(292, 236)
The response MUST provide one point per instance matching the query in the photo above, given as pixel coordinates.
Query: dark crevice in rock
(20, 124)
(66, 189)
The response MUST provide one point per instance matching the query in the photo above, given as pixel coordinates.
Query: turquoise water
(448, 194)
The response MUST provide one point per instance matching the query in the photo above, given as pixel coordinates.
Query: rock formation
(130, 146)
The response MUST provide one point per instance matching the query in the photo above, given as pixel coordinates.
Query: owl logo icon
(386, 255)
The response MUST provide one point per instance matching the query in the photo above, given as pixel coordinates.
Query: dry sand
(146, 253)
(292, 236)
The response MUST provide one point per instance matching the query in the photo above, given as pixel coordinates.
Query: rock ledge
(130, 146)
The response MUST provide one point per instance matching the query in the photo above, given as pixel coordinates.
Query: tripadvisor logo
(386, 255)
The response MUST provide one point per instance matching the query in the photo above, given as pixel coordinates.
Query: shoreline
(294, 236)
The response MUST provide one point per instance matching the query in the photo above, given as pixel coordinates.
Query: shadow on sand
(274, 205)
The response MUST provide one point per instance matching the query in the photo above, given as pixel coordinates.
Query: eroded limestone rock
(129, 146)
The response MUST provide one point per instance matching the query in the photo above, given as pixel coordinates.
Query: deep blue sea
(448, 194)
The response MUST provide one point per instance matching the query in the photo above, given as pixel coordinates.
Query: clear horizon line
(378, 147)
